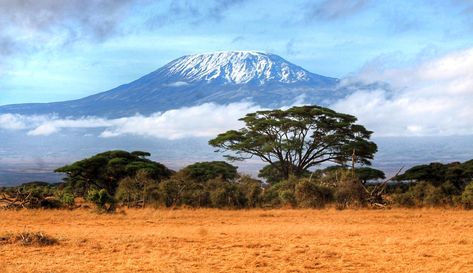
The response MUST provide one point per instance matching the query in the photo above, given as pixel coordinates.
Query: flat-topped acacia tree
(105, 170)
(298, 138)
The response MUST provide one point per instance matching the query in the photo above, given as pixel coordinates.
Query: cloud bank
(206, 120)
(433, 97)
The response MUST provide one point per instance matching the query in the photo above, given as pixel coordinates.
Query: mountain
(222, 77)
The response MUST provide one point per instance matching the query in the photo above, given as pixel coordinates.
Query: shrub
(467, 196)
(349, 192)
(270, 197)
(135, 191)
(68, 199)
(426, 194)
(287, 197)
(311, 195)
(29, 239)
(252, 189)
(404, 199)
(51, 203)
(170, 192)
(226, 194)
(103, 200)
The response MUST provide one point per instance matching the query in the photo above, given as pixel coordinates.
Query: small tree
(105, 170)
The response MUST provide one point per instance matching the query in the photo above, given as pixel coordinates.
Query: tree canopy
(299, 138)
(204, 171)
(436, 173)
(105, 170)
(366, 174)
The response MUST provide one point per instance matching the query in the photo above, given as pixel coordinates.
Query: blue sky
(53, 50)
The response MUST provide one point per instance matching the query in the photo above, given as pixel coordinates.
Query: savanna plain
(210, 240)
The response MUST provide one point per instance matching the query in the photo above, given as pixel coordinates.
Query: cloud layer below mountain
(206, 120)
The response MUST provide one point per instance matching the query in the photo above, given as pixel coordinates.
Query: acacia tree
(105, 170)
(299, 138)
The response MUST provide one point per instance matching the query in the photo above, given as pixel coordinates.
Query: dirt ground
(204, 240)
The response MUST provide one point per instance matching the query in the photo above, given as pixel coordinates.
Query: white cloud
(206, 120)
(434, 97)
(11, 122)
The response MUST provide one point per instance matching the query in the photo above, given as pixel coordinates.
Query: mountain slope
(222, 77)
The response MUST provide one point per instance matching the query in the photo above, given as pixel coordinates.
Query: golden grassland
(207, 240)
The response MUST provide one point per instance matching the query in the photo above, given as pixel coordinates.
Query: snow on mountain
(237, 67)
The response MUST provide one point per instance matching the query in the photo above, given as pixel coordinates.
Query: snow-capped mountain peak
(220, 77)
(236, 67)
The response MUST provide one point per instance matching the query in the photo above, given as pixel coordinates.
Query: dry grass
(431, 240)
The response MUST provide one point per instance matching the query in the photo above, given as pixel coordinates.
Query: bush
(178, 191)
(404, 199)
(29, 239)
(253, 191)
(270, 197)
(311, 195)
(51, 203)
(467, 196)
(103, 200)
(170, 192)
(288, 197)
(349, 192)
(226, 194)
(426, 194)
(137, 190)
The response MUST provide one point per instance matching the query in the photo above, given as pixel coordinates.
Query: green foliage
(252, 190)
(273, 173)
(226, 194)
(349, 192)
(424, 193)
(103, 200)
(137, 190)
(433, 172)
(204, 171)
(366, 174)
(459, 174)
(65, 196)
(67, 199)
(298, 138)
(312, 195)
(105, 170)
(287, 198)
(171, 191)
(467, 196)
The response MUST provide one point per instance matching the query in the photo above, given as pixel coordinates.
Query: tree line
(294, 143)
